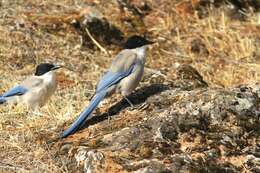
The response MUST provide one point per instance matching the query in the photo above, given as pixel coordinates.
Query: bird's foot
(133, 107)
(143, 106)
(140, 107)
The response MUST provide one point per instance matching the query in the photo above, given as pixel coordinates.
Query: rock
(99, 27)
(238, 5)
(153, 168)
(197, 46)
(188, 78)
(186, 127)
(92, 160)
(145, 151)
(65, 148)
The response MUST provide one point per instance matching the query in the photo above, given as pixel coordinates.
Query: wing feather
(24, 87)
(121, 67)
(16, 91)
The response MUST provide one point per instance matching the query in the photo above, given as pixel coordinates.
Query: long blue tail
(85, 114)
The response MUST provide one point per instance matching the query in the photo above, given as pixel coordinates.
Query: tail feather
(85, 114)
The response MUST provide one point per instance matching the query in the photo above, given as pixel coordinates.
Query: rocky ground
(196, 109)
(174, 129)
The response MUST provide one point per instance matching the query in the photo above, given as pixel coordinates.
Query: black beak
(56, 67)
(147, 42)
(150, 42)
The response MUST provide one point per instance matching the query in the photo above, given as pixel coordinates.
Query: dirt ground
(219, 39)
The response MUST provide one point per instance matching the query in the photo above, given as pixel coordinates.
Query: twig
(157, 72)
(10, 166)
(96, 43)
(13, 113)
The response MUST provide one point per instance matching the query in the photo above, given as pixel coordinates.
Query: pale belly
(38, 97)
(129, 83)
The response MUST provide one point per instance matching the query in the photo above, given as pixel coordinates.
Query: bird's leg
(131, 104)
(108, 116)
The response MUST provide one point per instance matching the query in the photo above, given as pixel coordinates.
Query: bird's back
(123, 61)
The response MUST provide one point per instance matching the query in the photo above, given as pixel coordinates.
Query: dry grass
(224, 50)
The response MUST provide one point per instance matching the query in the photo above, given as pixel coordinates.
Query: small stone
(145, 151)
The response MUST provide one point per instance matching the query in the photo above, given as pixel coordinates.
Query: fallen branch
(96, 43)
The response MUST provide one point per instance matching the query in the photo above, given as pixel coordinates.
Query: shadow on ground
(136, 98)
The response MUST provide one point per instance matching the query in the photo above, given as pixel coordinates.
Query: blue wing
(16, 91)
(111, 78)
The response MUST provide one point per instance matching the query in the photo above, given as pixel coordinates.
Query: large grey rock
(183, 129)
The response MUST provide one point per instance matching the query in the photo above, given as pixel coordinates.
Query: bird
(123, 77)
(35, 90)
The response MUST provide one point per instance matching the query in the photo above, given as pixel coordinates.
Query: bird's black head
(43, 68)
(136, 41)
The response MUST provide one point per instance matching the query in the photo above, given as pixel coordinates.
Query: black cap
(43, 68)
(136, 41)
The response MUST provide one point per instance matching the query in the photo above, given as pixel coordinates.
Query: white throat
(48, 77)
(140, 51)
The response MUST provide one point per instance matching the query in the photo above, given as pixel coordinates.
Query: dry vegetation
(222, 43)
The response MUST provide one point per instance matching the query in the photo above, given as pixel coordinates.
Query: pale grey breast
(123, 61)
(39, 91)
